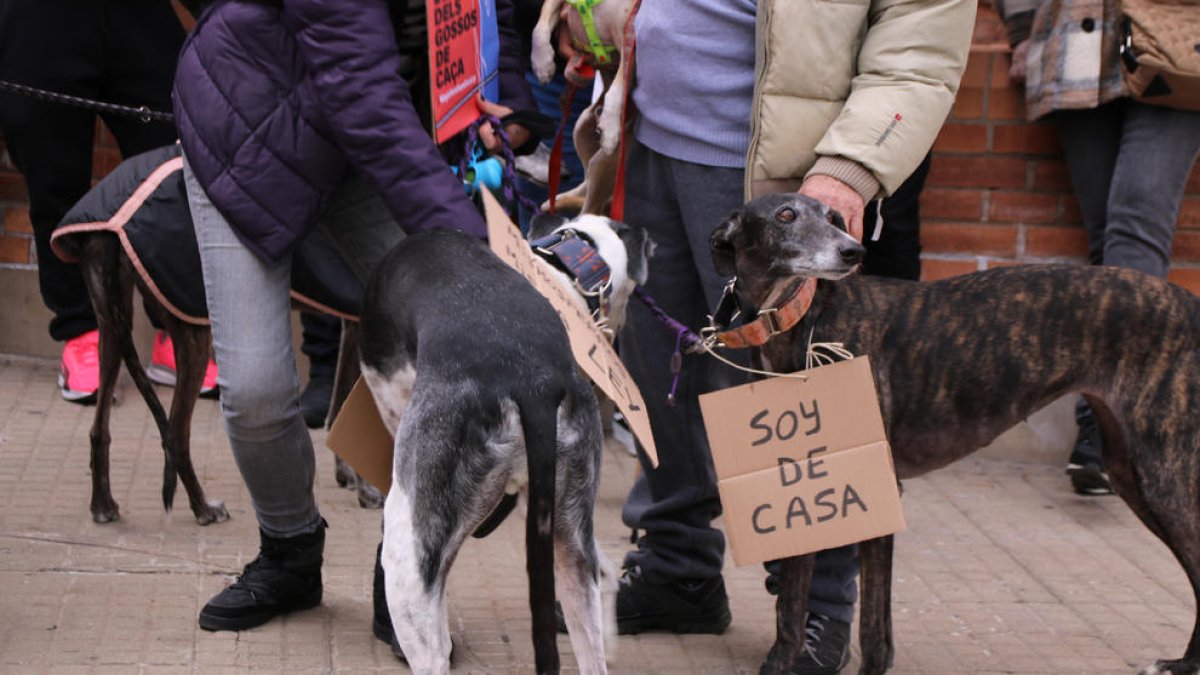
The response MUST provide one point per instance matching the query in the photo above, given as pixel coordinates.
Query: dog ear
(720, 243)
(639, 248)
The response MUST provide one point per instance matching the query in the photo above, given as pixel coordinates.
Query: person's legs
(320, 341)
(1158, 148)
(673, 579)
(51, 143)
(673, 506)
(249, 307)
(1091, 143)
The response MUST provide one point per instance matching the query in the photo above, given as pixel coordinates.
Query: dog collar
(602, 54)
(576, 256)
(768, 322)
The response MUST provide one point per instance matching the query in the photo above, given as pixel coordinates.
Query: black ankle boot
(381, 623)
(285, 577)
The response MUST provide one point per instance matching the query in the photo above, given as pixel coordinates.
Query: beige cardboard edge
(359, 436)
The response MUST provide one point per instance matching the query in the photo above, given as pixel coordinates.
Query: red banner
(454, 64)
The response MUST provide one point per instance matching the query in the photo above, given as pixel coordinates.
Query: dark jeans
(321, 338)
(118, 51)
(673, 506)
(1129, 164)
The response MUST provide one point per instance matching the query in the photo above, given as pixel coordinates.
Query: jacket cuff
(849, 172)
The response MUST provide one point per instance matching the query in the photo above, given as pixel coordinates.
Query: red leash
(577, 74)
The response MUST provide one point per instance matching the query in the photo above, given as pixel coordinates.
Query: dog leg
(108, 292)
(577, 559)
(572, 201)
(543, 48)
(1160, 488)
(795, 580)
(416, 603)
(875, 612)
(579, 592)
(601, 180)
(613, 112)
(192, 350)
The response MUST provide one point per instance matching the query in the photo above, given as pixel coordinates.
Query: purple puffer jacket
(277, 101)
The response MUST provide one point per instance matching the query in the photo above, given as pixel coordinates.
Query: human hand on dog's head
(838, 196)
(518, 135)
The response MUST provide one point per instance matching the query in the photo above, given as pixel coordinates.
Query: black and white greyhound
(472, 371)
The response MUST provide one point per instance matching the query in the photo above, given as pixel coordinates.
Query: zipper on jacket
(762, 24)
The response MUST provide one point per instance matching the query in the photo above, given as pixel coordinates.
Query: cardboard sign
(802, 464)
(463, 61)
(589, 345)
(360, 437)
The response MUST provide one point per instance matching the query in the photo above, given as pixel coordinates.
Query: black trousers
(117, 51)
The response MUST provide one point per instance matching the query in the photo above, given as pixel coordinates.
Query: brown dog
(598, 132)
(110, 278)
(959, 361)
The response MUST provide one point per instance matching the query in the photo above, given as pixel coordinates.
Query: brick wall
(998, 191)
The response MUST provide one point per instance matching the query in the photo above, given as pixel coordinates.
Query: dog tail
(539, 424)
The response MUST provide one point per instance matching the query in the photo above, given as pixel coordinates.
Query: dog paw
(343, 474)
(566, 205)
(542, 60)
(107, 513)
(214, 512)
(369, 497)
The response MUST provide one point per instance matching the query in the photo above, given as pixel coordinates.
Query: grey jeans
(250, 310)
(1129, 164)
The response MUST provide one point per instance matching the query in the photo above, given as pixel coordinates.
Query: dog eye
(786, 215)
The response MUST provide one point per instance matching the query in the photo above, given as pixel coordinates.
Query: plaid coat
(1073, 60)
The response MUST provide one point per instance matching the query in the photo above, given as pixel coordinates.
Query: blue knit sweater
(695, 79)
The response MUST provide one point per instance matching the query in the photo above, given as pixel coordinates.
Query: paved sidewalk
(1002, 570)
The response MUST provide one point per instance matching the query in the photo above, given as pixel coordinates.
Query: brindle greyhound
(110, 278)
(959, 361)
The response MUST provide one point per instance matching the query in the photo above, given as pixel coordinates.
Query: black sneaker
(688, 606)
(314, 401)
(1086, 465)
(285, 577)
(826, 646)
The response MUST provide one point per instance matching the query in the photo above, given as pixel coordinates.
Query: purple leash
(684, 338)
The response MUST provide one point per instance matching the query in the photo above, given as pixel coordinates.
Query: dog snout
(852, 253)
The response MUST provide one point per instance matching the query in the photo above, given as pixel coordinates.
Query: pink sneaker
(79, 374)
(162, 366)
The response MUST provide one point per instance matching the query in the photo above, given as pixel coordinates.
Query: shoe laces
(814, 626)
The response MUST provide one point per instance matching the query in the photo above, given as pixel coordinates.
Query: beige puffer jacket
(854, 89)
